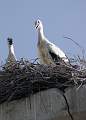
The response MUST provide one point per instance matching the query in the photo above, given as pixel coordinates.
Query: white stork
(48, 52)
(11, 59)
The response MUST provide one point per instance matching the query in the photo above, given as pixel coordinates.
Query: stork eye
(38, 22)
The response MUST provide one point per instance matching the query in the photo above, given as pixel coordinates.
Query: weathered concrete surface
(47, 105)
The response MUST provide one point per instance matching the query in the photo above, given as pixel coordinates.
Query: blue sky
(60, 18)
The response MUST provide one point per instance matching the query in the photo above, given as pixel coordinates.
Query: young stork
(11, 59)
(48, 52)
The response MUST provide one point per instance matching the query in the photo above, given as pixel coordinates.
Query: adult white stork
(48, 52)
(11, 59)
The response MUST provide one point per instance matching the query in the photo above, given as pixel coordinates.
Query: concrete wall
(47, 105)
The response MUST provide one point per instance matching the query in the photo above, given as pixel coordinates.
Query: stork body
(11, 59)
(48, 52)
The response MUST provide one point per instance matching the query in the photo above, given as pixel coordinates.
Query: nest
(26, 78)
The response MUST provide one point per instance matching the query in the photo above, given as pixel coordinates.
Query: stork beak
(36, 26)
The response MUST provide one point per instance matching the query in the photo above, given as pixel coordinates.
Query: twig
(82, 49)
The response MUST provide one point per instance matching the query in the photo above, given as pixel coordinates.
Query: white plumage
(48, 52)
(11, 59)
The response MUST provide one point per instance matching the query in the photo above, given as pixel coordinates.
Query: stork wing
(56, 53)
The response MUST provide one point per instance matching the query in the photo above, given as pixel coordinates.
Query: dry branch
(26, 78)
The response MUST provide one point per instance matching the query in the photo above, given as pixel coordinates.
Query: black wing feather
(55, 57)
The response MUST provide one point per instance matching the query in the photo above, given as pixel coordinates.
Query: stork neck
(11, 49)
(40, 34)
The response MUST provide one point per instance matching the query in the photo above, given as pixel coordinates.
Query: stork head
(38, 25)
(10, 41)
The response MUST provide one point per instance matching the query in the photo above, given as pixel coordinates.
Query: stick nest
(26, 78)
